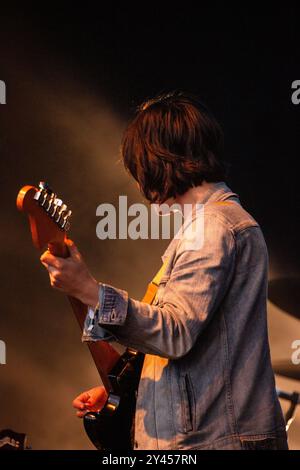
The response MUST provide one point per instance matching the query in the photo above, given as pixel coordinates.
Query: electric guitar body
(112, 427)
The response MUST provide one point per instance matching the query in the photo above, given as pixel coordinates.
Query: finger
(53, 272)
(54, 275)
(50, 260)
(56, 284)
(78, 406)
(74, 252)
(80, 414)
(79, 401)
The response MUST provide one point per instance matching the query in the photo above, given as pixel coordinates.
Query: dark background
(74, 76)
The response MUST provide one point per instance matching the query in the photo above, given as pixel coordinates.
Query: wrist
(90, 296)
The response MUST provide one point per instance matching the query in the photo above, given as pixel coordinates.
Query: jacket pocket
(265, 443)
(187, 403)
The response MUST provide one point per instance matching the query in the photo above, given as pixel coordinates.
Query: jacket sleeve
(198, 282)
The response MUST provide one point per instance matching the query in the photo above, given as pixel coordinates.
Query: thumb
(73, 250)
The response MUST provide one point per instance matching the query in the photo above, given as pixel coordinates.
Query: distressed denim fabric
(207, 380)
(89, 326)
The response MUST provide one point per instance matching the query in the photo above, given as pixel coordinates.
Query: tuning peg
(55, 206)
(37, 195)
(41, 194)
(58, 203)
(43, 198)
(50, 202)
(60, 214)
(66, 224)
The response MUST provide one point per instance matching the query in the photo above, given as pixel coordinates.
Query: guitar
(112, 427)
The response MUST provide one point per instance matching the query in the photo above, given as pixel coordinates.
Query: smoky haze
(54, 130)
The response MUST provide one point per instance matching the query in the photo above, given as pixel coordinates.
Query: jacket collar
(216, 192)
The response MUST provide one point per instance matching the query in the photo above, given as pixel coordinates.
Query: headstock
(49, 217)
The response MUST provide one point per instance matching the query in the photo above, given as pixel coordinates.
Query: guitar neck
(104, 355)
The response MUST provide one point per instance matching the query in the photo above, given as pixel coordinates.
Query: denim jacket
(207, 380)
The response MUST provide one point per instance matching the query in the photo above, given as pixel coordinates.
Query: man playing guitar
(207, 380)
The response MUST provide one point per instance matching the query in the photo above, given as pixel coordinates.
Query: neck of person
(194, 195)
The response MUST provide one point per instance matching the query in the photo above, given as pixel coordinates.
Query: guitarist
(207, 380)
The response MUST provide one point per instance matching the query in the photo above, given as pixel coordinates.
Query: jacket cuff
(91, 330)
(113, 306)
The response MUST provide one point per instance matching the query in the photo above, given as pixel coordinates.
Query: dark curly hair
(172, 144)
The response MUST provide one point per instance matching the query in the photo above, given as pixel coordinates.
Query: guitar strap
(153, 285)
